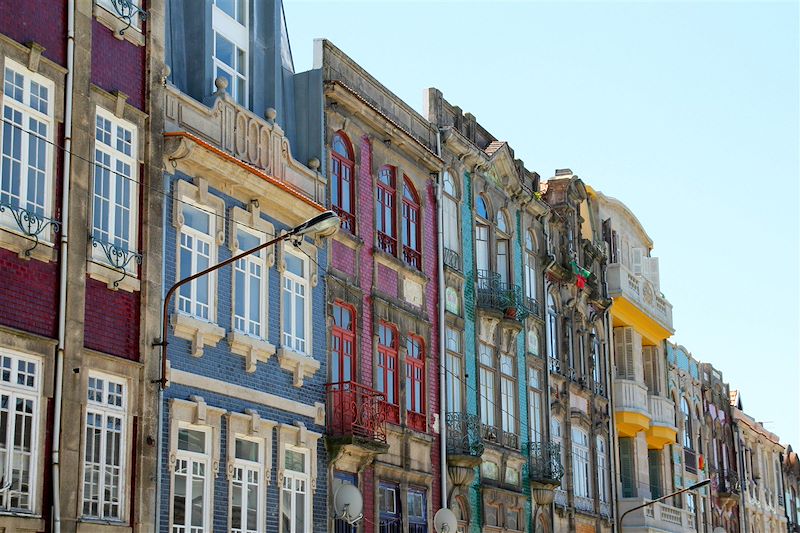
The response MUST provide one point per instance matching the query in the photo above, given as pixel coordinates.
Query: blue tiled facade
(219, 363)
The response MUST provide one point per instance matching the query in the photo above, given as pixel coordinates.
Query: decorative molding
(251, 348)
(249, 424)
(299, 436)
(111, 278)
(200, 332)
(197, 192)
(299, 364)
(194, 413)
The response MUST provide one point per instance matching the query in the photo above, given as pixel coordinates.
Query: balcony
(690, 460)
(663, 430)
(499, 296)
(658, 517)
(638, 290)
(632, 407)
(464, 435)
(729, 488)
(356, 415)
(452, 259)
(544, 463)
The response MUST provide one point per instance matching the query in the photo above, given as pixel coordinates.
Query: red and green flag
(581, 274)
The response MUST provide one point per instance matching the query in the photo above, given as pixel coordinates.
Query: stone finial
(271, 114)
(313, 164)
(221, 83)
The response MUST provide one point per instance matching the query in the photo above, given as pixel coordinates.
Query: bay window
(247, 487)
(342, 185)
(415, 383)
(197, 252)
(26, 161)
(387, 378)
(385, 210)
(295, 501)
(191, 481)
(116, 195)
(411, 222)
(249, 287)
(231, 45)
(20, 386)
(104, 448)
(296, 308)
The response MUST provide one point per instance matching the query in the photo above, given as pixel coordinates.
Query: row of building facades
(473, 337)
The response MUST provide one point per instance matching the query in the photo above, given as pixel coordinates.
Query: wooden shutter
(636, 259)
(630, 368)
(650, 372)
(627, 467)
(651, 272)
(654, 467)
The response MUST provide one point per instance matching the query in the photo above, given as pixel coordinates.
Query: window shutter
(654, 464)
(630, 368)
(636, 259)
(627, 467)
(652, 272)
(648, 354)
(619, 351)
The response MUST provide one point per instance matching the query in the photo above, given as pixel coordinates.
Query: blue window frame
(391, 514)
(417, 515)
(340, 526)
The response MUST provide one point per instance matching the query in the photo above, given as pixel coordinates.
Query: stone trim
(252, 349)
(111, 21)
(249, 424)
(300, 365)
(201, 333)
(196, 412)
(297, 435)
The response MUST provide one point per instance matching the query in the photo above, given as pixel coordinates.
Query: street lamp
(323, 225)
(696, 486)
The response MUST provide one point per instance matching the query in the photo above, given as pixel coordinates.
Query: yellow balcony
(631, 410)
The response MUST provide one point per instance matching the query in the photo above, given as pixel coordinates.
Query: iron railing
(387, 243)
(544, 462)
(464, 435)
(355, 410)
(690, 460)
(451, 259)
(412, 257)
(348, 219)
(30, 223)
(501, 296)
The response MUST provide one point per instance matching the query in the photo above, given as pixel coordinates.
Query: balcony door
(343, 344)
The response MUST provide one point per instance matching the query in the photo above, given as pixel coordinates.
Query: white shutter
(636, 259)
(652, 272)
(648, 354)
(619, 351)
(630, 369)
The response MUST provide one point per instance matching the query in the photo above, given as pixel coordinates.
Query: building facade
(760, 459)
(243, 403)
(76, 268)
(791, 482)
(382, 308)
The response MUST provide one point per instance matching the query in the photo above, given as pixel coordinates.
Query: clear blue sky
(686, 112)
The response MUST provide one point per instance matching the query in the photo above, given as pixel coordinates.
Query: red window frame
(343, 344)
(387, 370)
(415, 382)
(411, 237)
(342, 168)
(386, 210)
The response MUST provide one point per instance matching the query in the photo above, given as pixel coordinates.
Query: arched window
(452, 244)
(482, 239)
(411, 248)
(531, 281)
(687, 424)
(415, 383)
(552, 331)
(503, 249)
(385, 210)
(342, 190)
(343, 337)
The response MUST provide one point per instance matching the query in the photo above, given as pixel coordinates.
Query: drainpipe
(159, 407)
(442, 329)
(612, 419)
(62, 290)
(550, 263)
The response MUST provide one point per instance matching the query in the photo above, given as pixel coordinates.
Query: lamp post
(323, 225)
(696, 486)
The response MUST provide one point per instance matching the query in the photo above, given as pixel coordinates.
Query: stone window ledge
(300, 365)
(251, 348)
(90, 525)
(112, 277)
(200, 332)
(12, 240)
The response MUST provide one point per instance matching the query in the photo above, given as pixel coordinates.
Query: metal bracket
(30, 223)
(118, 257)
(126, 10)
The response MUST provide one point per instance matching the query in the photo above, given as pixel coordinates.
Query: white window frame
(238, 34)
(289, 335)
(31, 393)
(581, 467)
(248, 467)
(535, 405)
(487, 385)
(602, 469)
(450, 210)
(116, 157)
(294, 478)
(508, 395)
(556, 429)
(453, 379)
(105, 410)
(258, 260)
(210, 278)
(28, 113)
(530, 267)
(192, 458)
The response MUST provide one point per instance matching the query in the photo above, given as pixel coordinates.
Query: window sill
(200, 332)
(251, 348)
(21, 521)
(401, 266)
(98, 525)
(113, 278)
(299, 364)
(19, 244)
(113, 22)
(351, 240)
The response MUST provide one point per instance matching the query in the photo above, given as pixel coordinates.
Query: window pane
(196, 218)
(247, 450)
(191, 440)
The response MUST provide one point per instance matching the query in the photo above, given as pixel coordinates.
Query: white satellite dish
(348, 504)
(445, 521)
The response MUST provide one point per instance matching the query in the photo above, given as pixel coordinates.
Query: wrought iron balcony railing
(544, 463)
(356, 411)
(501, 296)
(729, 483)
(387, 243)
(347, 218)
(464, 435)
(30, 223)
(412, 257)
(452, 259)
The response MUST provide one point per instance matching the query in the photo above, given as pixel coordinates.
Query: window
(26, 165)
(502, 248)
(482, 237)
(246, 499)
(116, 193)
(602, 470)
(417, 516)
(654, 468)
(627, 467)
(486, 360)
(687, 424)
(197, 252)
(552, 334)
(344, 478)
(558, 440)
(385, 211)
(580, 463)
(191, 493)
(231, 44)
(415, 383)
(295, 504)
(508, 394)
(450, 212)
(387, 370)
(108, 5)
(453, 379)
(411, 238)
(249, 287)
(597, 372)
(391, 518)
(296, 304)
(20, 386)
(530, 267)
(535, 403)
(343, 339)
(104, 449)
(342, 189)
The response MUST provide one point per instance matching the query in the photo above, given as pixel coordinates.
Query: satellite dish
(445, 521)
(348, 504)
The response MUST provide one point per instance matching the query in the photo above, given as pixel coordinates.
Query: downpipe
(442, 330)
